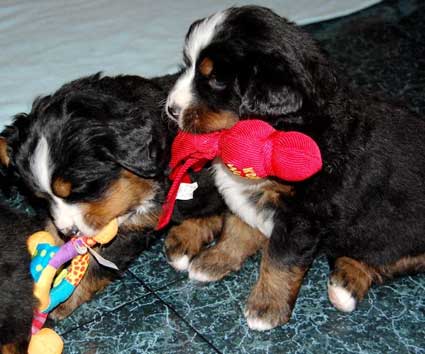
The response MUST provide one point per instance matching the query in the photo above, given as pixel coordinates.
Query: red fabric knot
(251, 149)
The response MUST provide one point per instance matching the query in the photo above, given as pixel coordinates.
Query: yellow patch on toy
(46, 341)
(107, 233)
(37, 238)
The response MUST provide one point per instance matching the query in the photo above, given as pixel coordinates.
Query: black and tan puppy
(365, 209)
(95, 150)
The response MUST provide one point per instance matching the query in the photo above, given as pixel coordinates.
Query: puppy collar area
(250, 149)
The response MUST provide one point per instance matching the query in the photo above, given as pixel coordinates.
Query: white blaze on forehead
(202, 35)
(181, 95)
(40, 165)
(65, 215)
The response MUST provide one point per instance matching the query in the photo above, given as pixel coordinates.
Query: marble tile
(390, 320)
(152, 268)
(118, 293)
(143, 326)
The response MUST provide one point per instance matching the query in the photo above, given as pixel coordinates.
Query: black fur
(16, 286)
(95, 126)
(368, 202)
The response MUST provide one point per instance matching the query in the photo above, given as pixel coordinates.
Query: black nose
(70, 231)
(173, 111)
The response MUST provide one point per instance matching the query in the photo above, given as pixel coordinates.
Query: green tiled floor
(154, 309)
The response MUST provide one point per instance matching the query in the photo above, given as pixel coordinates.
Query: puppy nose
(70, 231)
(173, 111)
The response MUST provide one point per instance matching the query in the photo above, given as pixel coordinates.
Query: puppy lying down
(94, 150)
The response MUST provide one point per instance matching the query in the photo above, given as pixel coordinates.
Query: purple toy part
(65, 254)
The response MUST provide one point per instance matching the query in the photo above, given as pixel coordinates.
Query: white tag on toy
(186, 191)
(102, 260)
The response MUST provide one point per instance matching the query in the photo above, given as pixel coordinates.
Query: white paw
(258, 324)
(341, 298)
(181, 264)
(199, 276)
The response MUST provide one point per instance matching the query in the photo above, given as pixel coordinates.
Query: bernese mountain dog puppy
(366, 208)
(95, 150)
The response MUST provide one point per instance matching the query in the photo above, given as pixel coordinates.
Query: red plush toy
(251, 149)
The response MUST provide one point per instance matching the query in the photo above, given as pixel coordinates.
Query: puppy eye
(216, 84)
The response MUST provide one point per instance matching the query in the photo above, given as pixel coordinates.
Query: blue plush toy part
(41, 258)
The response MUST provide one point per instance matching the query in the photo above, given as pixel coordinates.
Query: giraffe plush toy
(51, 289)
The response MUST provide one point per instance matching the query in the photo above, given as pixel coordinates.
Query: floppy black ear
(141, 146)
(268, 90)
(130, 137)
(278, 86)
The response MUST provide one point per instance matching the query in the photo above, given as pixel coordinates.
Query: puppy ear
(141, 146)
(267, 92)
(277, 87)
(131, 137)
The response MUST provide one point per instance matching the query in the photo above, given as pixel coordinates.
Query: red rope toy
(251, 149)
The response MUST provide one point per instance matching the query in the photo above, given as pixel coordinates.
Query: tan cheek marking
(206, 67)
(122, 196)
(4, 157)
(201, 120)
(61, 187)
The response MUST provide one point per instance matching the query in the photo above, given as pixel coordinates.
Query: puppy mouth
(74, 232)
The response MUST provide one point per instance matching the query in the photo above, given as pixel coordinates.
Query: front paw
(213, 264)
(348, 283)
(265, 311)
(178, 251)
(184, 242)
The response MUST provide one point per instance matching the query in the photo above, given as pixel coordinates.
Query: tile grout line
(178, 315)
(97, 316)
(159, 288)
(150, 291)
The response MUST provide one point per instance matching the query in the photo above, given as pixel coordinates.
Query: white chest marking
(235, 191)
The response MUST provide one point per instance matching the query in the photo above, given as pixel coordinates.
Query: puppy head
(247, 61)
(92, 156)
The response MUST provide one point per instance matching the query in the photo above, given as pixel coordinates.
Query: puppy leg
(93, 281)
(405, 265)
(237, 242)
(349, 282)
(273, 296)
(286, 258)
(186, 240)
